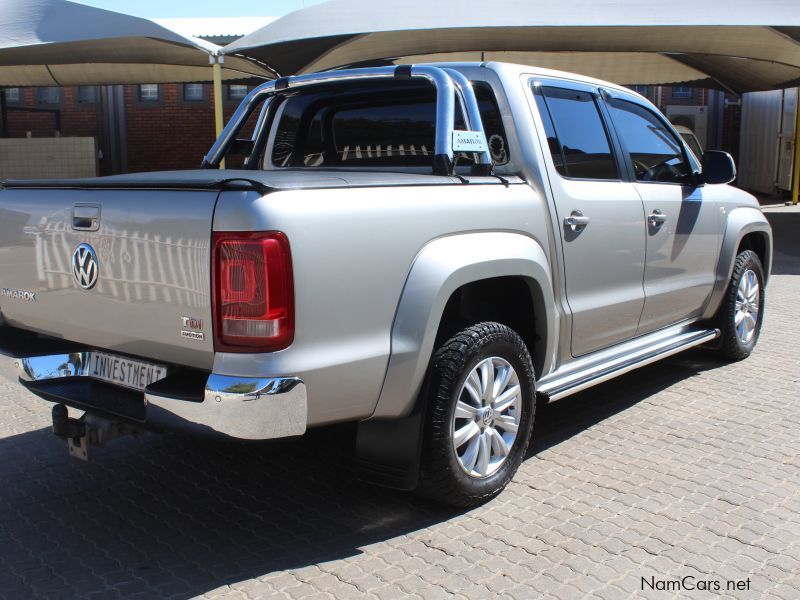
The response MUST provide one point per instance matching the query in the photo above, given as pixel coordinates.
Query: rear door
(683, 223)
(124, 270)
(600, 215)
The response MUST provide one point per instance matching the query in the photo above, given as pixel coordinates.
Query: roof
(214, 27)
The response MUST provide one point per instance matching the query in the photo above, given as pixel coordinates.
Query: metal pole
(216, 66)
(796, 169)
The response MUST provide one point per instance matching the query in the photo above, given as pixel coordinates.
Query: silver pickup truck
(424, 250)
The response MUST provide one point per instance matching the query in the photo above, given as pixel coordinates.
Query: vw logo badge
(85, 267)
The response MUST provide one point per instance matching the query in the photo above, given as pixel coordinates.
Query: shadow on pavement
(786, 242)
(166, 515)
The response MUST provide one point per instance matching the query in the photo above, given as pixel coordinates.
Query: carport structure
(734, 45)
(61, 43)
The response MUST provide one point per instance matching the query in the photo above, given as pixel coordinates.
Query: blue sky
(156, 9)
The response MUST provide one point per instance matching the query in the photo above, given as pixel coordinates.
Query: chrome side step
(586, 372)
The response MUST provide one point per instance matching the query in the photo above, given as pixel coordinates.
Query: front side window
(576, 135)
(48, 95)
(148, 92)
(374, 124)
(655, 153)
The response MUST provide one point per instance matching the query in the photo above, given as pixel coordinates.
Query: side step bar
(579, 378)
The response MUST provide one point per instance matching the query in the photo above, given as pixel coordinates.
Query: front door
(601, 218)
(683, 226)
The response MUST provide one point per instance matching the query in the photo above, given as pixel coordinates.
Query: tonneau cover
(284, 179)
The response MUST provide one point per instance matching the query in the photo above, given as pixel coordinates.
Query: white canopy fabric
(739, 45)
(55, 42)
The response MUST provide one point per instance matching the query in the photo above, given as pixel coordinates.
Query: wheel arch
(746, 229)
(444, 271)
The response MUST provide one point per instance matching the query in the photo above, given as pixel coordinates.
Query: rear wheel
(480, 415)
(742, 311)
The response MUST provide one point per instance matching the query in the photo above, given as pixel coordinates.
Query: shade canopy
(738, 45)
(55, 42)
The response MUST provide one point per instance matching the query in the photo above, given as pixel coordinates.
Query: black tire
(442, 477)
(731, 347)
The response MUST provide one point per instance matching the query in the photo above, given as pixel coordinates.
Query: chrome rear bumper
(241, 408)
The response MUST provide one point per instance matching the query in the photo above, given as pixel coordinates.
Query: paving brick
(666, 472)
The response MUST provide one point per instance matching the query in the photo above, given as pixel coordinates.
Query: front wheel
(742, 311)
(480, 415)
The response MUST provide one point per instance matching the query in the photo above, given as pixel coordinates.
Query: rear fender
(389, 442)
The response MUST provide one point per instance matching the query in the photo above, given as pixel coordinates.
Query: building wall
(169, 133)
(47, 158)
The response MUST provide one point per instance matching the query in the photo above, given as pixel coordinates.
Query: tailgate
(124, 270)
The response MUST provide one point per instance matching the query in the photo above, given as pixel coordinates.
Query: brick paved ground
(688, 467)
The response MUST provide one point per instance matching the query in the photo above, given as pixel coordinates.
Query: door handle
(576, 220)
(86, 217)
(657, 218)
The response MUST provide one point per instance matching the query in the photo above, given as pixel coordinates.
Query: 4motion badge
(85, 267)
(192, 329)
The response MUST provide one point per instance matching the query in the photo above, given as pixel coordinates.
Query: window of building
(87, 94)
(576, 134)
(654, 152)
(682, 92)
(193, 92)
(48, 95)
(237, 92)
(12, 95)
(148, 92)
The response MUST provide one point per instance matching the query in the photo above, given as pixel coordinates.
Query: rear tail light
(253, 292)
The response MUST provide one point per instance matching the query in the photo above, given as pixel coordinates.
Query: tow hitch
(89, 430)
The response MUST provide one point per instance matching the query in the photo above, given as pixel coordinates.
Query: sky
(159, 9)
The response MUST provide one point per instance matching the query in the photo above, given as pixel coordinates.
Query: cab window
(576, 136)
(655, 153)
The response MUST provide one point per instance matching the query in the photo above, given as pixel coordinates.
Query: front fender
(741, 222)
(443, 266)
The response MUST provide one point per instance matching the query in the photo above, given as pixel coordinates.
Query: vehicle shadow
(173, 516)
(786, 242)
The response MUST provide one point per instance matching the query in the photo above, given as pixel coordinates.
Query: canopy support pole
(216, 66)
(796, 169)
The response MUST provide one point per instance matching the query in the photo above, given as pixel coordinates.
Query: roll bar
(449, 83)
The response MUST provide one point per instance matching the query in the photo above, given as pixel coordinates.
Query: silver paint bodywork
(377, 255)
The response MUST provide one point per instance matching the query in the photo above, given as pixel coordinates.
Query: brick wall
(77, 119)
(170, 133)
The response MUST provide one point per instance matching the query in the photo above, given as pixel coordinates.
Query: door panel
(603, 262)
(681, 253)
(682, 226)
(601, 219)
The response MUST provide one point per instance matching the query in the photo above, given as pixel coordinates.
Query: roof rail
(449, 83)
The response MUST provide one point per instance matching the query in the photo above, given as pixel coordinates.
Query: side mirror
(718, 167)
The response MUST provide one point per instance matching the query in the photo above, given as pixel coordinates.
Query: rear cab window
(376, 124)
(576, 134)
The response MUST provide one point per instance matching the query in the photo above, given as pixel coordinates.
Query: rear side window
(576, 135)
(377, 125)
(655, 153)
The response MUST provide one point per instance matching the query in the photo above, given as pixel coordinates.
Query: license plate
(126, 372)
